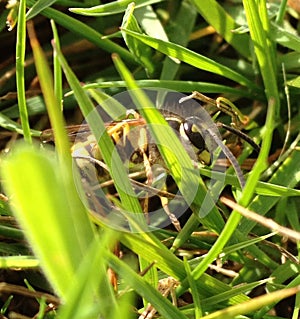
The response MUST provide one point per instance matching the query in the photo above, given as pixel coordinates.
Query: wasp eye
(194, 135)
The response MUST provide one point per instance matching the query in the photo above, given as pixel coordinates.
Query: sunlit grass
(74, 245)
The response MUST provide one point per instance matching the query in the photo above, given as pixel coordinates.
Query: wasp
(139, 152)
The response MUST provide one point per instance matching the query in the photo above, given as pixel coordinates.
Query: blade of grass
(73, 210)
(163, 305)
(85, 31)
(92, 283)
(111, 8)
(58, 85)
(20, 71)
(47, 220)
(179, 86)
(190, 57)
(39, 6)
(253, 304)
(111, 158)
(260, 33)
(53, 106)
(224, 24)
(143, 53)
(194, 291)
(13, 126)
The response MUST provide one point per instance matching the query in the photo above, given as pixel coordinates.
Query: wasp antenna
(241, 134)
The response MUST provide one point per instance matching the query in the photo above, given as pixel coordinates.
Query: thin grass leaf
(111, 8)
(253, 304)
(149, 21)
(287, 175)
(285, 38)
(224, 24)
(58, 85)
(179, 86)
(262, 188)
(236, 290)
(53, 106)
(20, 73)
(19, 262)
(194, 291)
(85, 31)
(190, 57)
(111, 106)
(13, 126)
(163, 305)
(38, 7)
(264, 52)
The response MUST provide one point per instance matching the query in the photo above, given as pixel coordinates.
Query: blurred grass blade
(112, 8)
(224, 24)
(47, 86)
(47, 217)
(92, 283)
(253, 304)
(142, 52)
(106, 146)
(285, 38)
(20, 72)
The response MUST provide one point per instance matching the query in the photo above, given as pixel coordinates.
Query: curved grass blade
(197, 60)
(84, 30)
(111, 8)
(224, 24)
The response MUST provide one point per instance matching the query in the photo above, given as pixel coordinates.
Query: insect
(138, 150)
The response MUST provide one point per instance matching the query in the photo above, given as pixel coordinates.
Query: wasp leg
(166, 286)
(173, 218)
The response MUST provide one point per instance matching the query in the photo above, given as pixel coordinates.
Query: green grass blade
(163, 305)
(20, 71)
(224, 24)
(39, 6)
(51, 229)
(92, 283)
(13, 126)
(143, 53)
(111, 8)
(85, 31)
(253, 304)
(111, 158)
(190, 57)
(179, 86)
(259, 32)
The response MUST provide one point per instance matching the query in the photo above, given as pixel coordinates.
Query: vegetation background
(55, 254)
